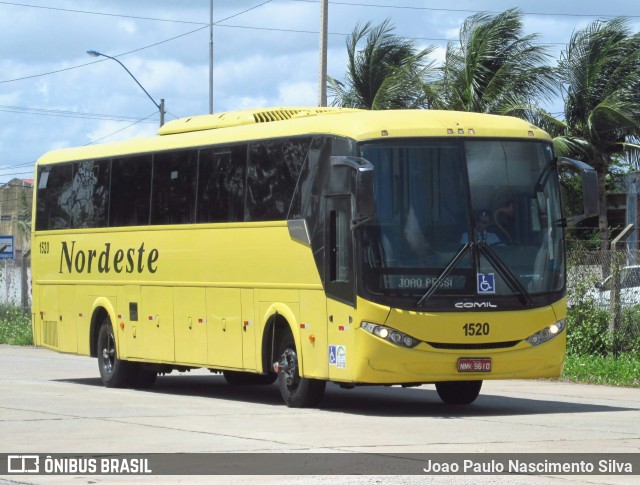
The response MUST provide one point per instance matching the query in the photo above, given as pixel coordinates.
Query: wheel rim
(289, 363)
(109, 354)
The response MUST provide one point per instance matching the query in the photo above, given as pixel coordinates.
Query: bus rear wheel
(113, 371)
(458, 392)
(297, 392)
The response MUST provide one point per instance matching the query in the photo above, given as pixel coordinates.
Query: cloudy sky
(52, 94)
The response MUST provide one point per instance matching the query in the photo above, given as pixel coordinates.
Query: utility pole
(324, 20)
(211, 58)
(160, 106)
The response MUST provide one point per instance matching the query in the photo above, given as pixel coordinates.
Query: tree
(495, 68)
(600, 71)
(388, 73)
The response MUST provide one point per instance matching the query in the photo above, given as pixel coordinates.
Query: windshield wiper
(504, 271)
(452, 264)
(511, 279)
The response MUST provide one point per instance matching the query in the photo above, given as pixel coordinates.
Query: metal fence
(15, 282)
(603, 294)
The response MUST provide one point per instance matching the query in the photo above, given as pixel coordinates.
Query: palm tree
(600, 71)
(495, 68)
(389, 72)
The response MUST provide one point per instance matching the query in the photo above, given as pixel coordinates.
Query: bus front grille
(482, 346)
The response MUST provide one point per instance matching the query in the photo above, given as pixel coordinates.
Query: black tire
(297, 392)
(113, 371)
(236, 378)
(458, 392)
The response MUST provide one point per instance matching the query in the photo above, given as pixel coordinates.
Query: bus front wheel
(297, 392)
(458, 392)
(113, 371)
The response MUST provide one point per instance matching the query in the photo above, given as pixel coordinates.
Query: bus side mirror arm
(589, 179)
(362, 179)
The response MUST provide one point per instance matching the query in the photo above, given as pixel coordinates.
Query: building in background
(16, 197)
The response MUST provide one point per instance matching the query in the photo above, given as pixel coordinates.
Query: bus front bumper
(380, 362)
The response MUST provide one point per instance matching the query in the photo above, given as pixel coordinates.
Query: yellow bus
(306, 246)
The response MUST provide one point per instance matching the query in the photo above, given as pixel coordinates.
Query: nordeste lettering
(128, 260)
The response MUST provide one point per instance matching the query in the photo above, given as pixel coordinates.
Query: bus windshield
(461, 222)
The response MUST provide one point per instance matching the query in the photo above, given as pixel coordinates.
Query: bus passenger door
(224, 317)
(190, 325)
(340, 287)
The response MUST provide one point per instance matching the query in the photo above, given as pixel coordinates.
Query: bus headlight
(390, 335)
(547, 333)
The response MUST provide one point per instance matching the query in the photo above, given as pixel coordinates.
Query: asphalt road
(55, 403)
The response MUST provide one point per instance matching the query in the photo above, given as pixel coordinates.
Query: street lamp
(159, 106)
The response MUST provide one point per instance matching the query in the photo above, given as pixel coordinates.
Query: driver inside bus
(483, 220)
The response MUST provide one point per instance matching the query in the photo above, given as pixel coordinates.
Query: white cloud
(127, 26)
(43, 88)
(298, 94)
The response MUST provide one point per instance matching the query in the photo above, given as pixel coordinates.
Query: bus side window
(130, 191)
(221, 184)
(53, 182)
(273, 170)
(338, 247)
(174, 187)
(339, 279)
(86, 199)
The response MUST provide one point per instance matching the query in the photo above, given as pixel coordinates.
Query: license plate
(474, 364)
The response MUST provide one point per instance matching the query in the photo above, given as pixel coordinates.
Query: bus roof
(239, 126)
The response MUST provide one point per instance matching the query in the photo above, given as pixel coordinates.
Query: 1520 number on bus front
(475, 329)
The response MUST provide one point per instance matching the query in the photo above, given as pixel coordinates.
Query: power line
(135, 50)
(121, 129)
(411, 7)
(20, 165)
(155, 19)
(68, 114)
(273, 29)
(348, 4)
(104, 14)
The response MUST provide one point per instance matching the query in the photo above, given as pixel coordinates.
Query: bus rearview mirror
(362, 181)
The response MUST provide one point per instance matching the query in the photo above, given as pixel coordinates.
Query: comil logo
(23, 464)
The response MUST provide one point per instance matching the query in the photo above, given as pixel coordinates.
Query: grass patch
(623, 370)
(15, 326)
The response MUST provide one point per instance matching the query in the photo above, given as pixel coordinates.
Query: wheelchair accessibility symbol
(486, 283)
